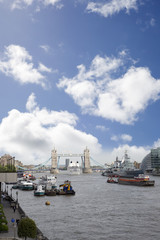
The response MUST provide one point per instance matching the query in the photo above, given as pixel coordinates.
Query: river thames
(98, 210)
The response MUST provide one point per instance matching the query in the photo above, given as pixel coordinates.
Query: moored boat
(65, 189)
(51, 192)
(50, 180)
(39, 191)
(26, 185)
(23, 185)
(29, 177)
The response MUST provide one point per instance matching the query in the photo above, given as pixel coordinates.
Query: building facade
(151, 161)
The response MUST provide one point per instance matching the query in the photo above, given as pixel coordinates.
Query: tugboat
(65, 189)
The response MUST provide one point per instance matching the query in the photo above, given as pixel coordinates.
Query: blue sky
(79, 73)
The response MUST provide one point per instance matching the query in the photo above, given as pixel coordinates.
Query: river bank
(16, 213)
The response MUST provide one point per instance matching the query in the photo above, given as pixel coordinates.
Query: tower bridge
(85, 157)
(55, 159)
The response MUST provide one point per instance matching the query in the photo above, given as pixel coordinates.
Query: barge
(140, 180)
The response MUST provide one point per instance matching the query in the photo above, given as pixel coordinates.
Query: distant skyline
(79, 73)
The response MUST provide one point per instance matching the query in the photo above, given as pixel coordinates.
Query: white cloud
(123, 137)
(31, 104)
(112, 7)
(45, 48)
(116, 98)
(152, 22)
(156, 144)
(17, 63)
(52, 2)
(22, 4)
(43, 68)
(102, 128)
(19, 4)
(108, 156)
(126, 137)
(30, 136)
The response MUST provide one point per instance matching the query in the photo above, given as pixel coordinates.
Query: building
(151, 161)
(7, 160)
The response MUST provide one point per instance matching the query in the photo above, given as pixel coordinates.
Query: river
(99, 210)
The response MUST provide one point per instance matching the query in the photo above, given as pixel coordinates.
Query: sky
(77, 74)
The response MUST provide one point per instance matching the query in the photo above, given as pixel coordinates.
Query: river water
(99, 210)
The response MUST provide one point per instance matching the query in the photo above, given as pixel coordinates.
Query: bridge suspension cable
(97, 163)
(37, 166)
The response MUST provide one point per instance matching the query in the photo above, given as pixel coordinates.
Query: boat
(49, 190)
(39, 191)
(140, 180)
(112, 180)
(20, 173)
(48, 180)
(124, 167)
(26, 185)
(23, 185)
(74, 168)
(29, 177)
(65, 189)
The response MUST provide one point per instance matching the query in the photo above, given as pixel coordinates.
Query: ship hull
(134, 182)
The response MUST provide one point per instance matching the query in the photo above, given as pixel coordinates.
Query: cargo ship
(140, 180)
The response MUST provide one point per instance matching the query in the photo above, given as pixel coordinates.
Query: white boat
(50, 180)
(26, 185)
(74, 168)
(39, 191)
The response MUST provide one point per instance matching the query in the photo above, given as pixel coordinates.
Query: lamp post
(11, 192)
(17, 199)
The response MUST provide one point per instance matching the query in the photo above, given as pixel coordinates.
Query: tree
(27, 228)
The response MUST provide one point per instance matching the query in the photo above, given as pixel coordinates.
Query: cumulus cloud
(17, 63)
(112, 7)
(156, 144)
(108, 156)
(30, 136)
(135, 153)
(123, 137)
(113, 94)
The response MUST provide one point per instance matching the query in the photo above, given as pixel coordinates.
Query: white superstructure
(74, 167)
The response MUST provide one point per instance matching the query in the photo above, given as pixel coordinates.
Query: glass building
(151, 161)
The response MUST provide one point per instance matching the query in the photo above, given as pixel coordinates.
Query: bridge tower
(54, 169)
(87, 168)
